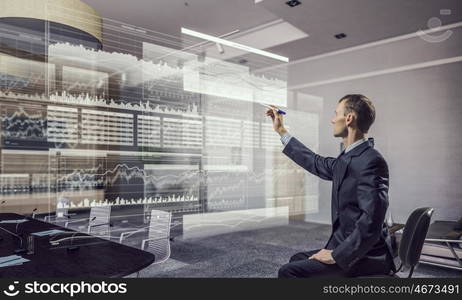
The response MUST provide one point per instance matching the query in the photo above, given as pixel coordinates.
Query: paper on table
(48, 232)
(13, 261)
(13, 221)
(8, 258)
(9, 264)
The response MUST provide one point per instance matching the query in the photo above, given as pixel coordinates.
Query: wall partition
(99, 113)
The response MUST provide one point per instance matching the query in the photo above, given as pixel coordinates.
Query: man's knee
(286, 271)
(298, 256)
(293, 270)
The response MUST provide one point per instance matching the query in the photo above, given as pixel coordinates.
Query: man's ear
(350, 119)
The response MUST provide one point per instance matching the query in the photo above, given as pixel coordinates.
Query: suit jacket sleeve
(308, 160)
(372, 197)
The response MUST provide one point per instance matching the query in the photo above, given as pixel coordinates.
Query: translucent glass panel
(147, 122)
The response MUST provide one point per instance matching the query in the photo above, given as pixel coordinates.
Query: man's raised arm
(299, 153)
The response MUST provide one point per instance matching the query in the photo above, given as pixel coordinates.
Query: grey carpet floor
(252, 254)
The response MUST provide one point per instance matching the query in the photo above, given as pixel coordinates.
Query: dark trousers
(300, 266)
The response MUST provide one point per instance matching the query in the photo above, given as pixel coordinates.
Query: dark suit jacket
(359, 201)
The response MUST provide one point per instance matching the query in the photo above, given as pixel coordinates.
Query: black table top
(95, 257)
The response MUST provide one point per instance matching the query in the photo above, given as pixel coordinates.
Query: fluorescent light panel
(232, 44)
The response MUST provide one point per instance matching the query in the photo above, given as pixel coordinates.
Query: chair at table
(62, 214)
(158, 241)
(98, 222)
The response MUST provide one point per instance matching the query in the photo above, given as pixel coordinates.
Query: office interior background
(136, 106)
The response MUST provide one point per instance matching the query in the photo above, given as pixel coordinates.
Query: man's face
(339, 120)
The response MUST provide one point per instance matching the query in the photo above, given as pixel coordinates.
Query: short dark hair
(364, 109)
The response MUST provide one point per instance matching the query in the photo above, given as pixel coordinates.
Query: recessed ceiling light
(340, 36)
(293, 3)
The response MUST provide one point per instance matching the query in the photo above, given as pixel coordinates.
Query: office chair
(158, 241)
(412, 240)
(98, 222)
(62, 212)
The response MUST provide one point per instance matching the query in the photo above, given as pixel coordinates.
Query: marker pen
(278, 110)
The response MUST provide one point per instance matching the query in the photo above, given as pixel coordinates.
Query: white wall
(419, 116)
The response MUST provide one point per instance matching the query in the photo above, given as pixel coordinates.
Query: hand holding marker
(277, 109)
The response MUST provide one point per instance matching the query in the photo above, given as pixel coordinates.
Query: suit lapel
(345, 159)
(342, 166)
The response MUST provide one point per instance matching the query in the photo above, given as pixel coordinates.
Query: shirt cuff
(285, 139)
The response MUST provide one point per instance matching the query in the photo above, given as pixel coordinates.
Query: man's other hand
(324, 256)
(277, 118)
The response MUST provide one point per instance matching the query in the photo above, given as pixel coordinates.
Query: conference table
(77, 255)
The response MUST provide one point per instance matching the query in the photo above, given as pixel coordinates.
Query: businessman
(359, 244)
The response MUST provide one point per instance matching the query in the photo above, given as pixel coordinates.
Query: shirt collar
(355, 144)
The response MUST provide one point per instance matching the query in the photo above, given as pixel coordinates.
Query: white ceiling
(362, 20)
(214, 17)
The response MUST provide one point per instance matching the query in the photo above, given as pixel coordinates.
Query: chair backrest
(62, 207)
(147, 207)
(100, 215)
(61, 213)
(413, 236)
(159, 235)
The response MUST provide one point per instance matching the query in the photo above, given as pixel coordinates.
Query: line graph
(24, 123)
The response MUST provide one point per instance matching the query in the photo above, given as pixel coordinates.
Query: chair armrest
(143, 243)
(110, 224)
(126, 234)
(75, 221)
(55, 217)
(443, 240)
(48, 218)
